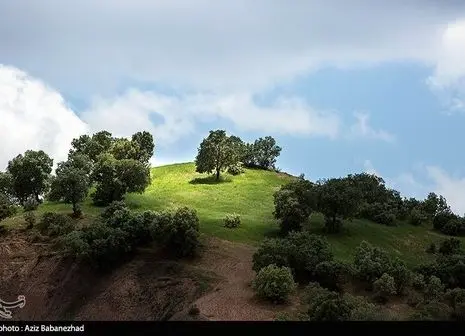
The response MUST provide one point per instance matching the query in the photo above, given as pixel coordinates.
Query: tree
(434, 204)
(146, 145)
(6, 185)
(216, 153)
(338, 199)
(266, 151)
(384, 287)
(7, 209)
(99, 143)
(30, 174)
(72, 181)
(274, 283)
(294, 203)
(114, 178)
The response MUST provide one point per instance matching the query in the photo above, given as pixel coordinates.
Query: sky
(345, 86)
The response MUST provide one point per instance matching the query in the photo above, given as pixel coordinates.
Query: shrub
(453, 227)
(30, 204)
(450, 246)
(236, 169)
(232, 221)
(271, 251)
(442, 218)
(432, 311)
(114, 206)
(384, 288)
(431, 248)
(331, 274)
(370, 263)
(456, 299)
(325, 305)
(55, 224)
(30, 219)
(417, 217)
(401, 274)
(7, 209)
(306, 251)
(418, 281)
(181, 235)
(362, 310)
(385, 218)
(274, 283)
(434, 289)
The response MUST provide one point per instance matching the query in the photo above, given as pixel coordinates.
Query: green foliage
(232, 221)
(434, 204)
(30, 219)
(55, 224)
(306, 251)
(30, 174)
(450, 246)
(274, 283)
(434, 289)
(181, 234)
(146, 145)
(265, 152)
(401, 274)
(431, 311)
(338, 199)
(456, 299)
(454, 227)
(7, 209)
(384, 288)
(114, 178)
(441, 219)
(72, 181)
(236, 169)
(294, 203)
(271, 251)
(325, 305)
(216, 154)
(370, 262)
(417, 217)
(332, 275)
(432, 249)
(30, 204)
(418, 281)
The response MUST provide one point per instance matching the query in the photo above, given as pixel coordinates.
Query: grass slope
(251, 196)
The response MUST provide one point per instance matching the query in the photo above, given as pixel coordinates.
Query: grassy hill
(251, 196)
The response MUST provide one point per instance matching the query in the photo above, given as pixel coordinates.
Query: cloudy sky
(344, 85)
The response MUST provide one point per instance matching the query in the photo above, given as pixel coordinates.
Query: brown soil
(144, 288)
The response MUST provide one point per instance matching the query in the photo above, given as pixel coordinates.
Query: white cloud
(369, 169)
(219, 45)
(33, 116)
(363, 129)
(448, 80)
(133, 110)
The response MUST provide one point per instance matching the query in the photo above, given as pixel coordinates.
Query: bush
(418, 281)
(114, 206)
(30, 219)
(417, 217)
(431, 248)
(370, 262)
(401, 274)
(450, 246)
(441, 219)
(434, 289)
(332, 275)
(432, 311)
(274, 283)
(232, 221)
(55, 224)
(7, 209)
(454, 227)
(181, 235)
(325, 305)
(30, 204)
(306, 251)
(236, 169)
(271, 251)
(456, 299)
(362, 310)
(384, 288)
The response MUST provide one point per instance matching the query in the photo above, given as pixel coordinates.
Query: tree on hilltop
(216, 153)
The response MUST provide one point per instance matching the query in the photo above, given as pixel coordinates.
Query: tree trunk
(217, 174)
(75, 209)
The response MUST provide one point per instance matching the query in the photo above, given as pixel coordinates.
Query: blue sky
(344, 86)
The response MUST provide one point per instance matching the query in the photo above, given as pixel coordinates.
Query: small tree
(30, 174)
(271, 251)
(232, 221)
(332, 275)
(216, 154)
(384, 287)
(450, 246)
(265, 152)
(274, 283)
(72, 181)
(434, 289)
(338, 199)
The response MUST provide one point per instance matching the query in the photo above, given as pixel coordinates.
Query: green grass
(251, 196)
